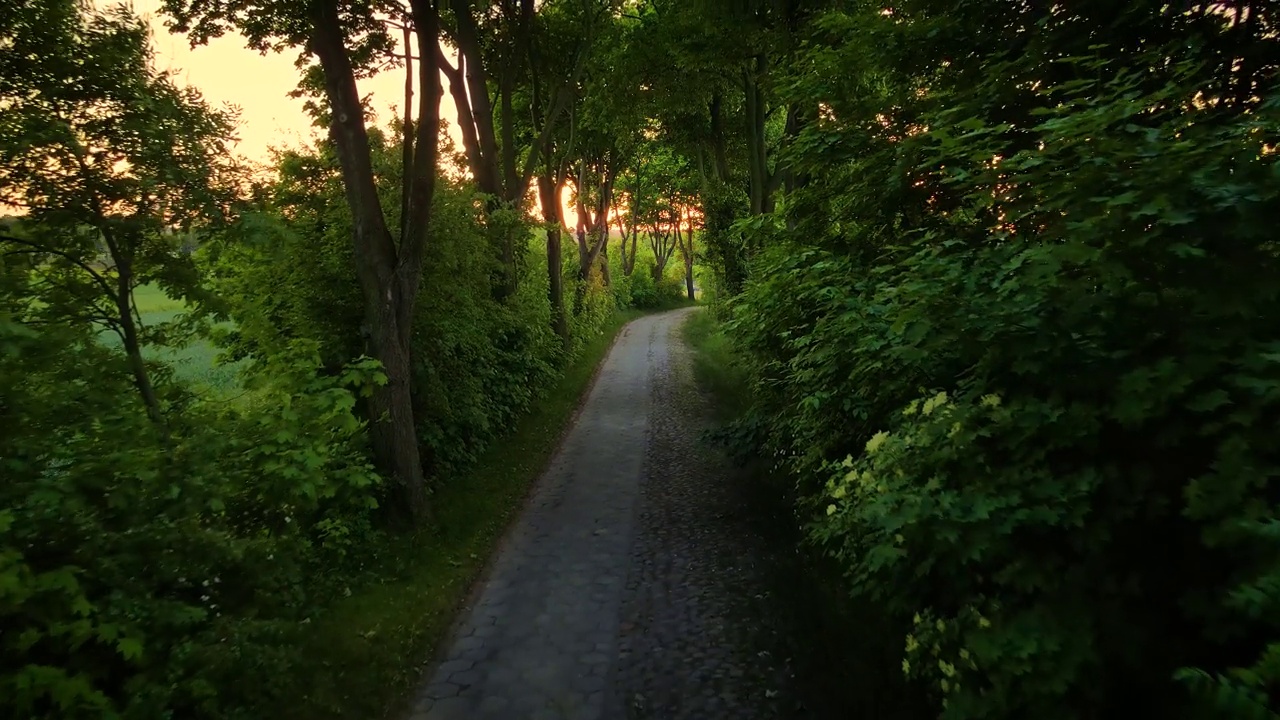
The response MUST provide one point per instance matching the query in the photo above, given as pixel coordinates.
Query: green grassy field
(195, 363)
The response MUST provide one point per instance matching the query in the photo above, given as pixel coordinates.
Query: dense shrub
(156, 573)
(478, 362)
(1019, 350)
(641, 290)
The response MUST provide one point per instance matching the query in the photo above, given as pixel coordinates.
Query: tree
(347, 39)
(575, 45)
(113, 164)
(1014, 339)
(501, 43)
(685, 244)
(593, 196)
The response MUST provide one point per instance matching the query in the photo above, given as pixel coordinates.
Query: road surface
(631, 586)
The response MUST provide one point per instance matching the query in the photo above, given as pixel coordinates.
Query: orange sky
(226, 71)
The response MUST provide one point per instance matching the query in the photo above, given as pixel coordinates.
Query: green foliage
(174, 557)
(144, 575)
(107, 156)
(1014, 340)
(478, 363)
(639, 289)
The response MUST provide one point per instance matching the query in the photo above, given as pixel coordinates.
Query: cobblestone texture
(698, 636)
(630, 586)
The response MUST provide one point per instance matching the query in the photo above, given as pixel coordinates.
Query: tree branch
(466, 117)
(36, 248)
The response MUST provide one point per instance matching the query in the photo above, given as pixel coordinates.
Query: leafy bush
(479, 363)
(148, 573)
(597, 307)
(1020, 351)
(646, 293)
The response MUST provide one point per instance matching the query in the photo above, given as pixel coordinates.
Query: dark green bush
(1021, 354)
(149, 574)
(479, 363)
(643, 292)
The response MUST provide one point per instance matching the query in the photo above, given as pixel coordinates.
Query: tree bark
(593, 228)
(663, 243)
(122, 298)
(389, 277)
(604, 252)
(498, 177)
(687, 255)
(549, 194)
(717, 139)
(406, 137)
(474, 75)
(762, 184)
(133, 345)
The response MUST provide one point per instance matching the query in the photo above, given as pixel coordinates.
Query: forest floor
(635, 583)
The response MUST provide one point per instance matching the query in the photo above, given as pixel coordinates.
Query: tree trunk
(660, 253)
(132, 344)
(128, 330)
(686, 254)
(406, 137)
(604, 258)
(717, 140)
(549, 194)
(389, 288)
(757, 148)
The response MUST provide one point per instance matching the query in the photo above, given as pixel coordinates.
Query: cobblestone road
(631, 587)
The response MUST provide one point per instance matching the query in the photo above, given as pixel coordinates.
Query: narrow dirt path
(631, 586)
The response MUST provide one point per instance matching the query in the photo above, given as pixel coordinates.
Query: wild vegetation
(239, 406)
(1008, 329)
(996, 278)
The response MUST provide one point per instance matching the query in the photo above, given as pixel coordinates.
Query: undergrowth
(370, 649)
(849, 668)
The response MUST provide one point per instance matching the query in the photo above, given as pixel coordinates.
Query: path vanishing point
(631, 586)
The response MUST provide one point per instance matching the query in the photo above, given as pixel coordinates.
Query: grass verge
(369, 650)
(714, 365)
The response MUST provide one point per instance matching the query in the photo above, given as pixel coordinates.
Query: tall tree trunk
(622, 247)
(661, 243)
(761, 190)
(687, 255)
(133, 345)
(493, 159)
(513, 190)
(630, 264)
(406, 137)
(389, 278)
(593, 229)
(549, 194)
(602, 222)
(604, 258)
(128, 329)
(717, 139)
